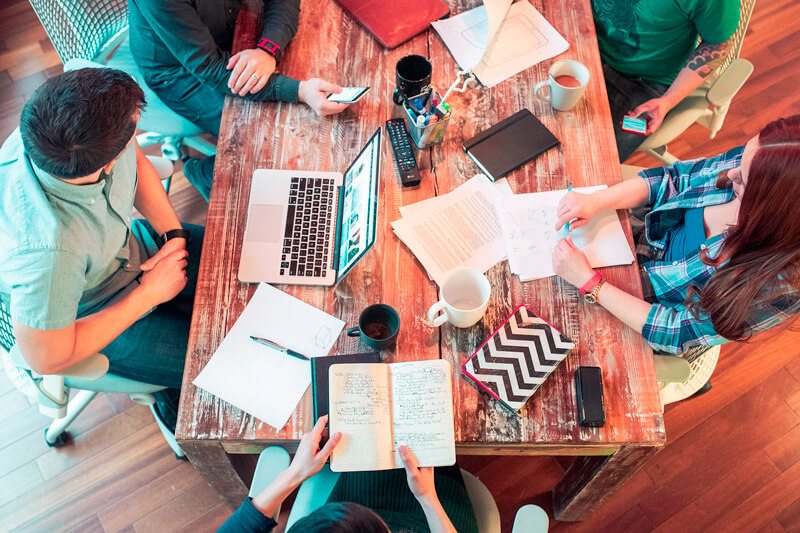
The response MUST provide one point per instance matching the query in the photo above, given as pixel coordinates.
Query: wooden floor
(732, 462)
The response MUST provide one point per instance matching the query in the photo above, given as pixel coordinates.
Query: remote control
(403, 153)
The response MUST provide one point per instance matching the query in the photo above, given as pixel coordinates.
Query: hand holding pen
(575, 210)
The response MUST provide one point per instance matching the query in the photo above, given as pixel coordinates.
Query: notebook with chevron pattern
(517, 358)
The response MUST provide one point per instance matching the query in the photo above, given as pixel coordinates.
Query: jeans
(153, 349)
(194, 101)
(624, 95)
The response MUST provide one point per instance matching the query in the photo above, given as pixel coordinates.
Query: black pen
(278, 347)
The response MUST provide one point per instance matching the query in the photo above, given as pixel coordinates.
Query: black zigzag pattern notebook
(512, 363)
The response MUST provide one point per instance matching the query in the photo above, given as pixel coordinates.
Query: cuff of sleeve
(655, 335)
(285, 89)
(248, 518)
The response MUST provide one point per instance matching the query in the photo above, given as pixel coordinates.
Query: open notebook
(380, 407)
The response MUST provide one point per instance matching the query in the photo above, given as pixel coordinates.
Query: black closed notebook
(319, 376)
(509, 144)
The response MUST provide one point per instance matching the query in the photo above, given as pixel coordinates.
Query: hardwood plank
(22, 451)
(704, 511)
(183, 509)
(773, 526)
(22, 424)
(210, 520)
(794, 365)
(16, 483)
(785, 451)
(120, 402)
(90, 525)
(789, 518)
(12, 403)
(86, 444)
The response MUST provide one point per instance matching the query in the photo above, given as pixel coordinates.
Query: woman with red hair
(719, 248)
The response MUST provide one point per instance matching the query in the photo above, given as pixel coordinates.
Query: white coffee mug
(564, 97)
(464, 296)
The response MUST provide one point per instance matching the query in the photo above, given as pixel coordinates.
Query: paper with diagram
(529, 220)
(494, 50)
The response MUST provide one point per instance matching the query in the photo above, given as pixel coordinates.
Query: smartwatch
(270, 47)
(176, 234)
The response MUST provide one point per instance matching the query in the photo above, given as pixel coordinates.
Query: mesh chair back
(7, 339)
(745, 11)
(81, 28)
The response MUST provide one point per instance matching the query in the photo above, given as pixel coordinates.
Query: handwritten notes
(380, 407)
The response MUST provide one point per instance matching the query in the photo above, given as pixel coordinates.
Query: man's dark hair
(81, 120)
(342, 517)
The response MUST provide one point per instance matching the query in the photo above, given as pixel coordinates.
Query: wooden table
(329, 44)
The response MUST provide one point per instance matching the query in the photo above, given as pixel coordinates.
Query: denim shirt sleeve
(179, 26)
(46, 287)
(247, 519)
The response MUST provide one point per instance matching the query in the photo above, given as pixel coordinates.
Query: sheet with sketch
(522, 39)
(529, 220)
(379, 407)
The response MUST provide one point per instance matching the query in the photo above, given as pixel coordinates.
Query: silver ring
(254, 76)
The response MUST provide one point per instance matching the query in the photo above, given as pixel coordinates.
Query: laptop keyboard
(308, 227)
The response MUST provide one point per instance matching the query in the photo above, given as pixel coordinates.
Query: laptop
(311, 228)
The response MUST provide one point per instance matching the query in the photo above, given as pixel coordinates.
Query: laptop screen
(358, 223)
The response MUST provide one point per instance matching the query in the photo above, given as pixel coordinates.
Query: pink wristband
(589, 285)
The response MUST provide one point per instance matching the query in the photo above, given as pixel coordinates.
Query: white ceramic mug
(464, 296)
(563, 97)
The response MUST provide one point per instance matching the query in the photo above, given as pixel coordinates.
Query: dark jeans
(194, 101)
(624, 95)
(153, 349)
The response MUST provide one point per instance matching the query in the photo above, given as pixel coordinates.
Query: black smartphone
(589, 390)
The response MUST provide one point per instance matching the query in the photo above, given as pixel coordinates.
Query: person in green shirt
(656, 52)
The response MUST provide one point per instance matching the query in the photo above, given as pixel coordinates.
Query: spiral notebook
(518, 357)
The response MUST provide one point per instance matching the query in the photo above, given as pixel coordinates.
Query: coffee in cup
(378, 326)
(567, 80)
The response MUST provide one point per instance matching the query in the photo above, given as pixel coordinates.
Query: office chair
(717, 92)
(314, 493)
(97, 31)
(89, 377)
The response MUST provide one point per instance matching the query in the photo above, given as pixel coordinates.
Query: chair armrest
(729, 82)
(671, 369)
(93, 368)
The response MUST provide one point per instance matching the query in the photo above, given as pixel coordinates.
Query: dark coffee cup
(378, 326)
(413, 76)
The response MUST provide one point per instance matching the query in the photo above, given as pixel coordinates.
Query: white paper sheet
(525, 38)
(262, 381)
(461, 228)
(528, 222)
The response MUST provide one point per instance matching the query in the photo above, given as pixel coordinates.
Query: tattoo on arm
(707, 57)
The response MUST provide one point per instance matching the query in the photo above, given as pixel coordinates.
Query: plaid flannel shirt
(670, 326)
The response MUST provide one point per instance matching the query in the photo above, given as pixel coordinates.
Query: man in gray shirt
(184, 52)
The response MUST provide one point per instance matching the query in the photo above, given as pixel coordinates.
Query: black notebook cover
(319, 376)
(509, 144)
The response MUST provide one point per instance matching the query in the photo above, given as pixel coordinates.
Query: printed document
(497, 51)
(260, 380)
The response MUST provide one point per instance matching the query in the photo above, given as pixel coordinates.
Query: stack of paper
(258, 379)
(461, 228)
(529, 221)
(498, 40)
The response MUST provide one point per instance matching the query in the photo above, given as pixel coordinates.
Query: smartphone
(634, 125)
(349, 95)
(589, 390)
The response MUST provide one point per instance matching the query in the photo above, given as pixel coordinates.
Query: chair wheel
(62, 439)
(704, 389)
(183, 457)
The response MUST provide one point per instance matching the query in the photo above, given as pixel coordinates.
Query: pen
(569, 188)
(278, 347)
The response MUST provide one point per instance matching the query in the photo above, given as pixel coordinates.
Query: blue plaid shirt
(670, 326)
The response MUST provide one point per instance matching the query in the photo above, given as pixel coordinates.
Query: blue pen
(569, 188)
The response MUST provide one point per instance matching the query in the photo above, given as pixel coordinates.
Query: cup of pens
(427, 117)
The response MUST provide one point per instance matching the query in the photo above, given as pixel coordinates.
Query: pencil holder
(425, 136)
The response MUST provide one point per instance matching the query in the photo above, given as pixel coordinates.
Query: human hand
(309, 458)
(167, 277)
(575, 205)
(314, 93)
(570, 263)
(172, 245)
(251, 71)
(420, 480)
(656, 110)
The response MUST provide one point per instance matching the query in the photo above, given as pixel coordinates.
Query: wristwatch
(176, 234)
(270, 47)
(591, 288)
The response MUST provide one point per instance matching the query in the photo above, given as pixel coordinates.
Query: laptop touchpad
(265, 223)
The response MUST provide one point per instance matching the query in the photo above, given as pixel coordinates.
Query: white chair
(717, 92)
(86, 379)
(97, 31)
(314, 493)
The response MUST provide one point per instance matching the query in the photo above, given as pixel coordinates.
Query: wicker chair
(97, 31)
(717, 92)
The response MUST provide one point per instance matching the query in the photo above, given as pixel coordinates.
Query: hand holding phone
(634, 125)
(349, 95)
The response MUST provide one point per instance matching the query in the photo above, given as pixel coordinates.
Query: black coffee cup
(413, 76)
(378, 326)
